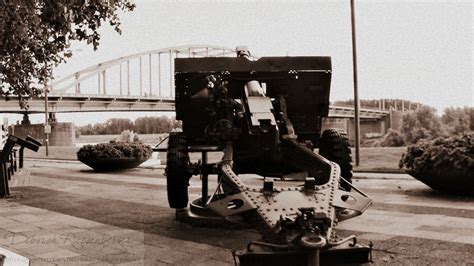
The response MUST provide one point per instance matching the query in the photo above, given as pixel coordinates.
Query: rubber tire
(334, 146)
(177, 171)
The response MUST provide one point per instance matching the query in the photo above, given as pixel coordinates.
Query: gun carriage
(265, 116)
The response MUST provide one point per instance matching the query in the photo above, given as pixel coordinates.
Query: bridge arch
(154, 74)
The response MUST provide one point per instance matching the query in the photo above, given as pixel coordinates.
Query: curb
(380, 171)
(78, 162)
(371, 171)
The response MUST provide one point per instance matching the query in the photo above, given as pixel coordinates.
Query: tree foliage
(36, 34)
(422, 123)
(456, 119)
(142, 125)
(470, 111)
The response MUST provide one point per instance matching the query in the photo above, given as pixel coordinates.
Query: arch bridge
(138, 82)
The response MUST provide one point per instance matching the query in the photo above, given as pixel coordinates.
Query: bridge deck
(69, 103)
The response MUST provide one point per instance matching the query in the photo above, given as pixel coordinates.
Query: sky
(416, 50)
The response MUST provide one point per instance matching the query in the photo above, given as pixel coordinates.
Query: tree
(421, 124)
(117, 125)
(457, 120)
(142, 125)
(36, 34)
(470, 112)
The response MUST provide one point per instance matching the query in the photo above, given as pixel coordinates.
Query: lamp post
(46, 124)
(356, 89)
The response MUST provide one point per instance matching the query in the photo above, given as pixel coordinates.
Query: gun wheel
(334, 146)
(177, 170)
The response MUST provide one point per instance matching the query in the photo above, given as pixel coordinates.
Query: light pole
(46, 124)
(356, 89)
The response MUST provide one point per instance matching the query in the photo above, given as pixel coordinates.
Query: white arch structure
(152, 72)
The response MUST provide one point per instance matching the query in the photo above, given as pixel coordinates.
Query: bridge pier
(26, 119)
(62, 134)
(52, 117)
(374, 126)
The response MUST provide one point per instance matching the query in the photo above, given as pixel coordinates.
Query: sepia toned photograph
(247, 133)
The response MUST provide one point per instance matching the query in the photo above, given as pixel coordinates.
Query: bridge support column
(52, 117)
(62, 134)
(26, 119)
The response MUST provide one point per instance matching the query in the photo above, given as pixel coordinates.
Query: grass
(379, 158)
(54, 152)
(371, 159)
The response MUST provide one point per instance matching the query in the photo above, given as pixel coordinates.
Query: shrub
(393, 138)
(445, 164)
(115, 150)
(457, 152)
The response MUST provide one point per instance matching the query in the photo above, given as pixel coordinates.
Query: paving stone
(451, 230)
(58, 255)
(439, 229)
(10, 239)
(21, 209)
(120, 258)
(221, 254)
(24, 242)
(27, 218)
(36, 250)
(150, 260)
(134, 247)
(53, 225)
(467, 239)
(205, 261)
(156, 240)
(7, 223)
(40, 262)
(44, 223)
(6, 205)
(431, 219)
(78, 260)
(460, 222)
(22, 228)
(103, 228)
(78, 222)
(373, 236)
(96, 245)
(133, 263)
(433, 235)
(170, 255)
(132, 235)
(460, 231)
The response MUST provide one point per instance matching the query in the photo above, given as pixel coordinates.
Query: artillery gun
(265, 116)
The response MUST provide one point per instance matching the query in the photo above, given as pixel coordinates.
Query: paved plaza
(63, 213)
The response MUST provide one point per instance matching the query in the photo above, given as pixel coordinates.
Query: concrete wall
(348, 125)
(334, 123)
(62, 134)
(367, 127)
